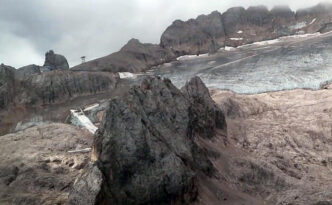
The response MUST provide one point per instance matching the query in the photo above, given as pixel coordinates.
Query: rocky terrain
(208, 33)
(133, 57)
(26, 93)
(211, 132)
(39, 164)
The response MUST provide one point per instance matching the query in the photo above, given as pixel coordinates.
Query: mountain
(196, 129)
(133, 57)
(208, 33)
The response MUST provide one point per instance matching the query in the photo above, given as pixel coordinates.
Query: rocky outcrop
(205, 116)
(60, 86)
(238, 26)
(208, 33)
(7, 85)
(22, 98)
(201, 35)
(26, 71)
(133, 57)
(146, 146)
(55, 62)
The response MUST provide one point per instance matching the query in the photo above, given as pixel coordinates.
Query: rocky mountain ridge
(208, 33)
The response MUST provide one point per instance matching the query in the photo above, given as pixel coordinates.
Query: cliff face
(7, 85)
(238, 26)
(60, 86)
(26, 91)
(207, 33)
(133, 57)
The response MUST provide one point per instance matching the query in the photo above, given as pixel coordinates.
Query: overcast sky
(94, 28)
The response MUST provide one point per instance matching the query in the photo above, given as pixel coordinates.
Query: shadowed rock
(146, 148)
(55, 61)
(7, 85)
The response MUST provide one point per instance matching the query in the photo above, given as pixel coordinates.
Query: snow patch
(126, 75)
(313, 21)
(188, 57)
(236, 39)
(228, 48)
(91, 107)
(79, 118)
(239, 32)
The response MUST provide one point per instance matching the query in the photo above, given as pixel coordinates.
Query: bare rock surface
(36, 167)
(145, 147)
(287, 138)
(133, 57)
(33, 95)
(238, 26)
(55, 61)
(7, 85)
(26, 71)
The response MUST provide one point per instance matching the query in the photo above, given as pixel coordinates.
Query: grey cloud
(96, 27)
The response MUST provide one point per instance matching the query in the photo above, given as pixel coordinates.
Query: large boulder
(55, 61)
(133, 57)
(146, 146)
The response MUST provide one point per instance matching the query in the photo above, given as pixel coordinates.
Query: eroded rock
(146, 146)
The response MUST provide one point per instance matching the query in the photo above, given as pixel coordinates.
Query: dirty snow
(236, 39)
(126, 75)
(80, 119)
(188, 57)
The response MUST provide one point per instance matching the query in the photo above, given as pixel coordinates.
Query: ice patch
(126, 75)
(228, 48)
(239, 32)
(236, 39)
(188, 57)
(313, 21)
(91, 107)
(78, 118)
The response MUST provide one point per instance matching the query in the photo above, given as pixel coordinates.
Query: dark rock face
(27, 71)
(145, 147)
(59, 86)
(55, 61)
(205, 116)
(201, 35)
(133, 57)
(7, 85)
(208, 33)
(87, 187)
(238, 26)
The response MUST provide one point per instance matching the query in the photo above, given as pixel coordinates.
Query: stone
(146, 145)
(87, 187)
(55, 61)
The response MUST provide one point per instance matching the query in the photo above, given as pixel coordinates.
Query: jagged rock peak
(55, 61)
(146, 146)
